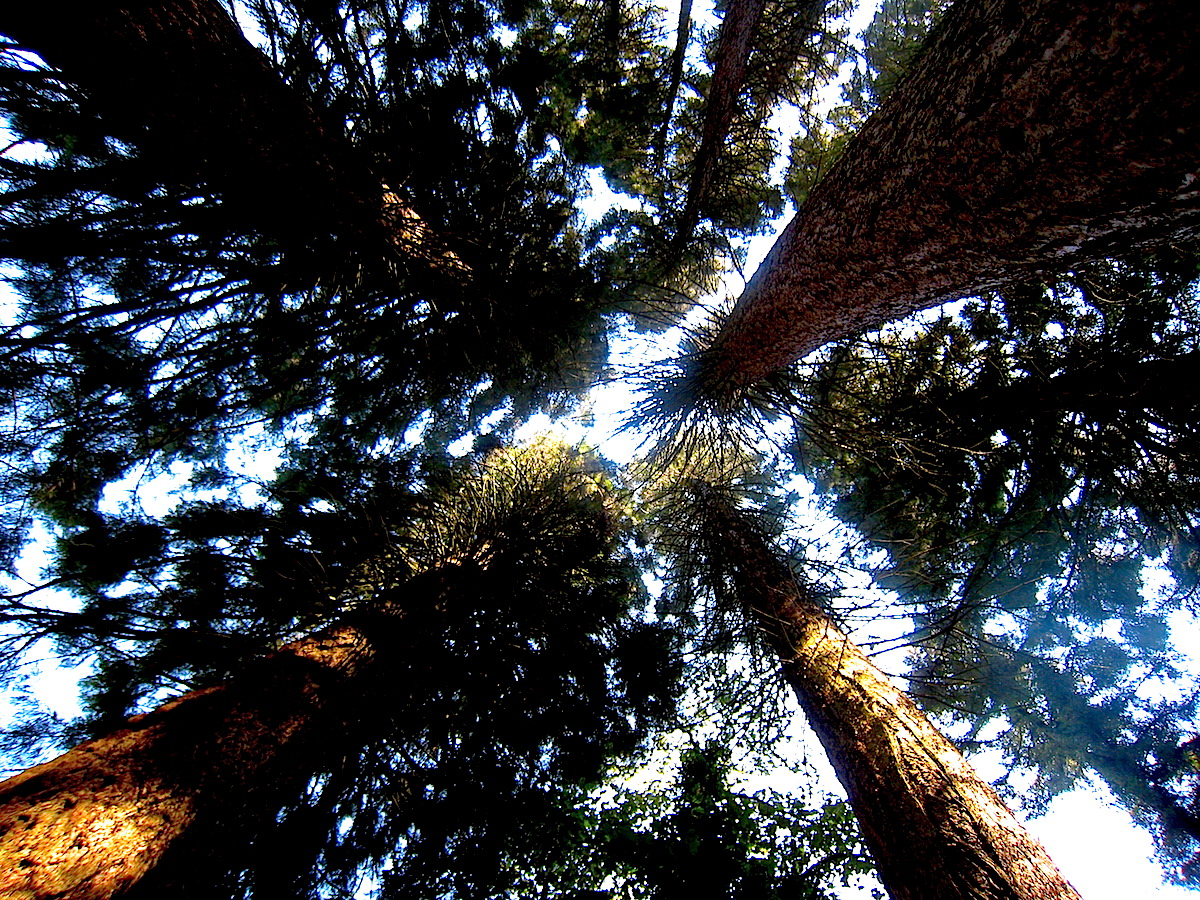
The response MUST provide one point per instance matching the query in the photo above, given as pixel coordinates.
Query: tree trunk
(683, 32)
(936, 830)
(179, 81)
(1028, 137)
(92, 822)
(738, 28)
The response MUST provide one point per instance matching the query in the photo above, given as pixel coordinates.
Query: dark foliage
(1027, 463)
(155, 323)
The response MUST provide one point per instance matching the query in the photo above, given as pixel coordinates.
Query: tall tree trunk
(92, 822)
(683, 33)
(937, 831)
(179, 80)
(738, 28)
(1028, 137)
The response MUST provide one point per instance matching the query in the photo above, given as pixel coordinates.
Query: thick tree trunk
(937, 831)
(1028, 137)
(92, 822)
(179, 81)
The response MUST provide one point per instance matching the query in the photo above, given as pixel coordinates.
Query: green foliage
(731, 667)
(158, 320)
(712, 183)
(813, 152)
(1024, 462)
(700, 837)
(1017, 460)
(796, 52)
(590, 74)
(516, 668)
(891, 45)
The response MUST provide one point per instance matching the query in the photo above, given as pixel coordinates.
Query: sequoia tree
(1028, 464)
(1023, 140)
(934, 827)
(114, 239)
(739, 28)
(708, 184)
(172, 303)
(92, 822)
(479, 652)
(181, 82)
(751, 70)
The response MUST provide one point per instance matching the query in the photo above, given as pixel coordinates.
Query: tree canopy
(1026, 465)
(313, 265)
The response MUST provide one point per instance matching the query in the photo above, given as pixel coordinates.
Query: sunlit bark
(936, 830)
(94, 821)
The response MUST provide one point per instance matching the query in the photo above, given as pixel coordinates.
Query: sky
(1092, 840)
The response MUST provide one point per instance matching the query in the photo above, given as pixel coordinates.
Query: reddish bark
(936, 830)
(734, 44)
(1028, 137)
(92, 822)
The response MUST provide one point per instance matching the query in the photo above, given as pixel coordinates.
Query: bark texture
(1028, 137)
(936, 830)
(92, 822)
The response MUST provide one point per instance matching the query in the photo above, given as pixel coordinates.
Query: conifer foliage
(311, 264)
(475, 657)
(1026, 464)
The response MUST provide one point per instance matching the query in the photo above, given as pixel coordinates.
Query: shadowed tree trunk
(683, 32)
(738, 29)
(524, 584)
(179, 81)
(1028, 137)
(936, 830)
(94, 821)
